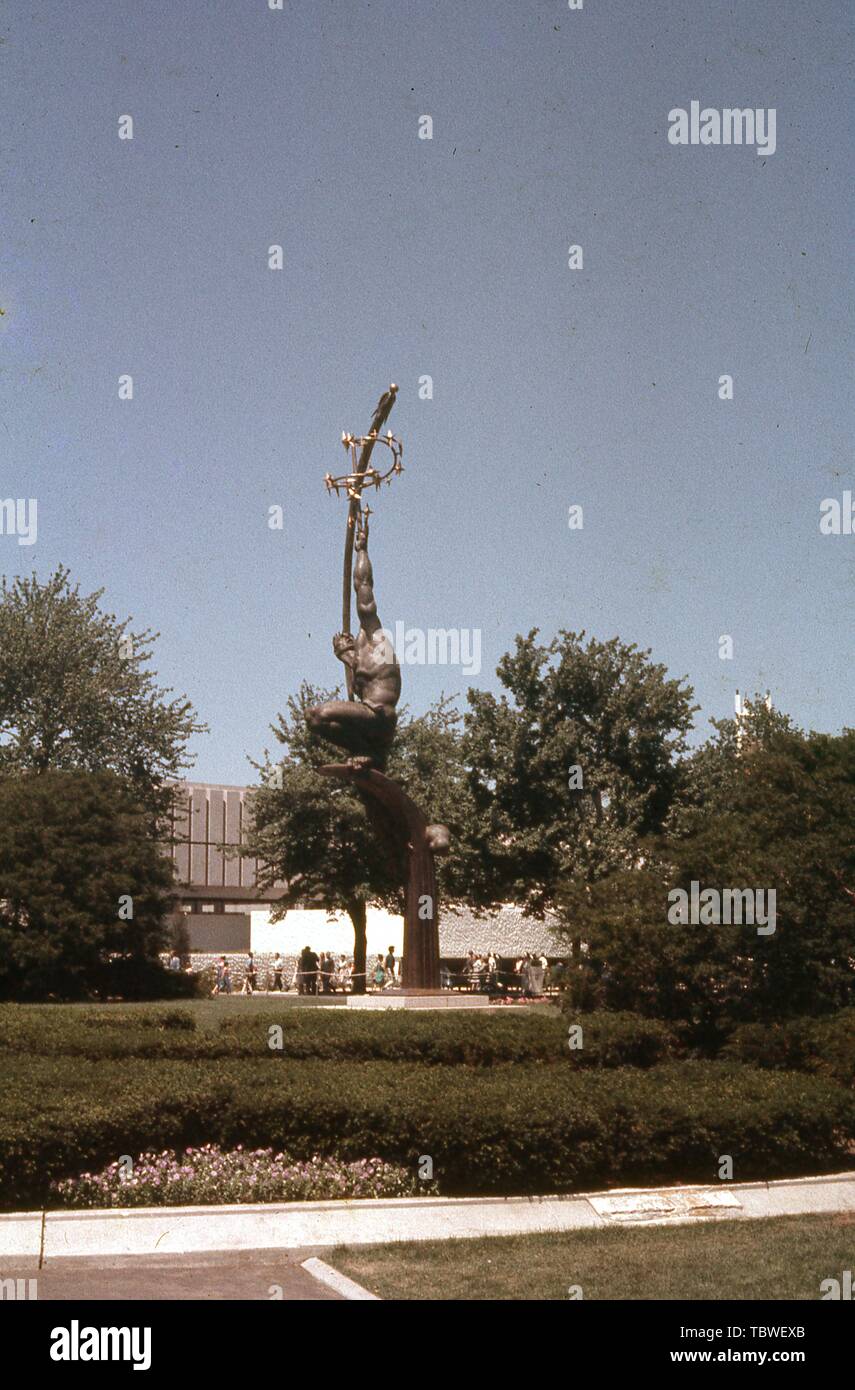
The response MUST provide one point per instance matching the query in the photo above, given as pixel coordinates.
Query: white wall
(325, 932)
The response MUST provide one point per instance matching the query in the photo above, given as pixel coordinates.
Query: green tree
(573, 767)
(75, 694)
(775, 811)
(84, 887)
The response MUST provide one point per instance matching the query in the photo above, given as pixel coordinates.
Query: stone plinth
(422, 999)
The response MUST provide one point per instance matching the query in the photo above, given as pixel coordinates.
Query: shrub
(472, 1039)
(75, 847)
(621, 1039)
(106, 1031)
(825, 1046)
(123, 977)
(518, 1128)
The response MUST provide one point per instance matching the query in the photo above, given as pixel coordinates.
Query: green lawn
(776, 1258)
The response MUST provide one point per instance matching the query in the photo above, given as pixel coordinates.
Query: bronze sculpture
(364, 724)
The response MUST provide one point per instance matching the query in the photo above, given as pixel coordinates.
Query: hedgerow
(510, 1128)
(825, 1046)
(472, 1039)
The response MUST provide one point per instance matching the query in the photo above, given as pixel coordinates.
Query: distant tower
(742, 707)
(739, 707)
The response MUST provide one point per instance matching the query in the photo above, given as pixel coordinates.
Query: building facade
(227, 913)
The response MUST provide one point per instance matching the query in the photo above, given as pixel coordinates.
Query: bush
(74, 848)
(51, 1030)
(523, 1128)
(122, 977)
(472, 1039)
(621, 1039)
(825, 1046)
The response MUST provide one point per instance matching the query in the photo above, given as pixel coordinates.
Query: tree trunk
(358, 916)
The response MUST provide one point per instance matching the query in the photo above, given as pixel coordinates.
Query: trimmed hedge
(472, 1039)
(523, 1128)
(825, 1046)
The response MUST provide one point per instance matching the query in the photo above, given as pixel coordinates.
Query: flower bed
(211, 1176)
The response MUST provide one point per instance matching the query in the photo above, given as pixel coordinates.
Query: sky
(404, 258)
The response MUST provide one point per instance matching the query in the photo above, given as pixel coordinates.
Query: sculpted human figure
(365, 726)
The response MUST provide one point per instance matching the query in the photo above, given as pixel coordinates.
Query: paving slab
(21, 1236)
(676, 1205)
(418, 1001)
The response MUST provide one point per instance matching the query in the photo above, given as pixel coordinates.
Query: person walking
(248, 986)
(390, 965)
(218, 978)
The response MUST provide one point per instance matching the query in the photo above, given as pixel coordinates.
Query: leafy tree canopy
(774, 811)
(573, 766)
(74, 691)
(83, 880)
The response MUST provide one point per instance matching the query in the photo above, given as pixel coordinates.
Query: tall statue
(364, 725)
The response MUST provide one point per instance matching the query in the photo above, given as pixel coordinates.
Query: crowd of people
(327, 973)
(313, 974)
(482, 972)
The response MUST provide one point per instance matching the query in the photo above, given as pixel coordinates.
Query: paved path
(255, 1274)
(39, 1239)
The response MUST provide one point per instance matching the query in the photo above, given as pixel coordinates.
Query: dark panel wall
(218, 931)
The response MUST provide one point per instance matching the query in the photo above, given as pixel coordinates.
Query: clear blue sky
(447, 257)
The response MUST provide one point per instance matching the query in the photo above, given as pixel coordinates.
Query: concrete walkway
(263, 1275)
(36, 1239)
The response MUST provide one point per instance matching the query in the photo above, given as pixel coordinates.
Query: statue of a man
(365, 727)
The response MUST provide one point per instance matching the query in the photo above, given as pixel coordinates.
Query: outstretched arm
(363, 584)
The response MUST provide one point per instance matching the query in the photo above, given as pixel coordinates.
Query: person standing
(311, 971)
(535, 976)
(469, 970)
(521, 972)
(327, 967)
(390, 965)
(277, 972)
(492, 972)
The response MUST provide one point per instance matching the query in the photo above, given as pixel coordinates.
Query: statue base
(418, 999)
